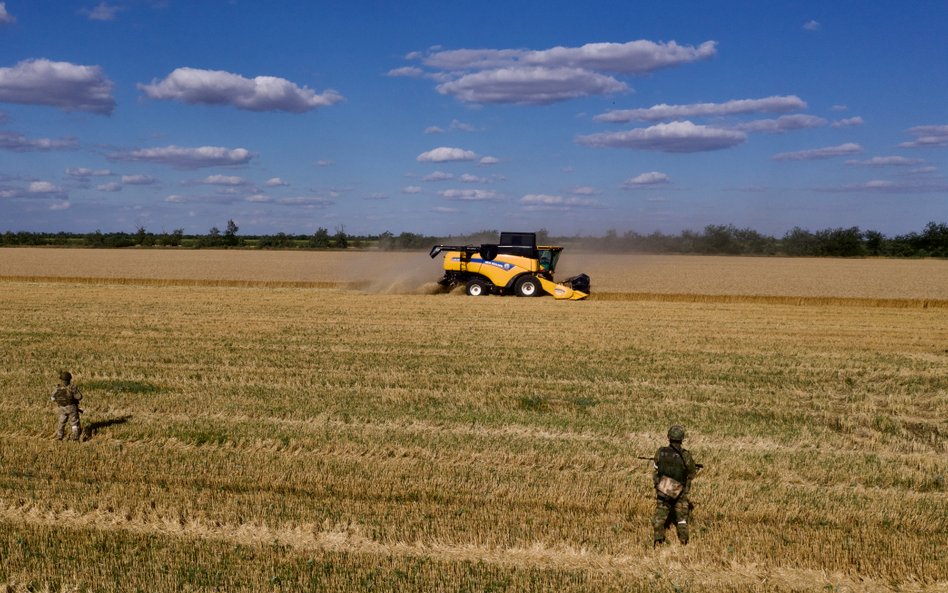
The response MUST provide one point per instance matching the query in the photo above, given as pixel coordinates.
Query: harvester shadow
(91, 429)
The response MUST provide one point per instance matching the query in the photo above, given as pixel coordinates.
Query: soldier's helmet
(676, 433)
(65, 377)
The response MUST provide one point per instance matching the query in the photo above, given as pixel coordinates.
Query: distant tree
(320, 239)
(386, 241)
(172, 239)
(719, 239)
(934, 239)
(800, 242)
(875, 242)
(96, 239)
(277, 241)
(841, 242)
(341, 239)
(143, 238)
(230, 234)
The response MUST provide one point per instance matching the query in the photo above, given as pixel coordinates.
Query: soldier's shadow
(92, 428)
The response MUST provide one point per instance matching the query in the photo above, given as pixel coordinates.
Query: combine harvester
(516, 265)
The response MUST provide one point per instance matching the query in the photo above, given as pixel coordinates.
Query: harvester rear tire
(476, 287)
(528, 286)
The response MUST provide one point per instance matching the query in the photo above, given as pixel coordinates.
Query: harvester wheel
(476, 287)
(527, 286)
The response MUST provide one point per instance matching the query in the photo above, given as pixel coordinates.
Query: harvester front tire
(476, 287)
(528, 286)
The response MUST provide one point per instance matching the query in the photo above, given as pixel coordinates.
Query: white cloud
(434, 130)
(438, 176)
(225, 180)
(323, 163)
(530, 85)
(445, 154)
(526, 76)
(275, 182)
(886, 161)
(138, 180)
(217, 87)
(445, 210)
(674, 137)
(102, 12)
(819, 153)
(468, 194)
(70, 87)
(893, 187)
(411, 189)
(307, 202)
(43, 187)
(258, 198)
(64, 205)
(407, 71)
(633, 57)
(489, 160)
(774, 104)
(782, 124)
(550, 202)
(187, 158)
(927, 137)
(585, 191)
(110, 187)
(5, 17)
(848, 122)
(650, 179)
(468, 178)
(20, 143)
(460, 125)
(83, 172)
(811, 25)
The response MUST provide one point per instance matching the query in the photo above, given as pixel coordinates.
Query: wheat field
(294, 428)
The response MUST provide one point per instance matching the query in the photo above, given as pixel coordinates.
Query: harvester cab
(515, 265)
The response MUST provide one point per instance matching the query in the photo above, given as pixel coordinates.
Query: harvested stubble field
(257, 431)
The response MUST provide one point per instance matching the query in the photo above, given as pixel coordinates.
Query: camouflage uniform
(675, 462)
(67, 397)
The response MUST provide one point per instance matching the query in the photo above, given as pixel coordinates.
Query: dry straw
(293, 437)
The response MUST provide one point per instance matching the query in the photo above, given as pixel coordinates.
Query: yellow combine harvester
(516, 265)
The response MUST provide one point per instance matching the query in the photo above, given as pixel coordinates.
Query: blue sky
(453, 117)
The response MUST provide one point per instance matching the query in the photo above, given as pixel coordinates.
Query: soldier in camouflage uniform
(674, 471)
(67, 397)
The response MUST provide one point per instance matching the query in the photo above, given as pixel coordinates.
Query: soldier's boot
(76, 433)
(657, 542)
(682, 529)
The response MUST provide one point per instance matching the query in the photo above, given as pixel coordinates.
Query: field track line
(772, 300)
(184, 282)
(912, 303)
(673, 561)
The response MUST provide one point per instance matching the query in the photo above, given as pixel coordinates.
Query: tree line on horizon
(932, 241)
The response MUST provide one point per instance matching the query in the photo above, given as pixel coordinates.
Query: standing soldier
(674, 471)
(67, 397)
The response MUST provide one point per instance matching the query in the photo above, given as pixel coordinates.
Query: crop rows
(292, 438)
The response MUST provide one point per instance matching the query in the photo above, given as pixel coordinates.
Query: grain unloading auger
(515, 265)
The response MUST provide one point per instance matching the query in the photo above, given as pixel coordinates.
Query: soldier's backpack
(674, 474)
(67, 395)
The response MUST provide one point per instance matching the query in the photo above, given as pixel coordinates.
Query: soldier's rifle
(697, 465)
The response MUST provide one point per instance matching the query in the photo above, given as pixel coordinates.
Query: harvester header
(514, 265)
